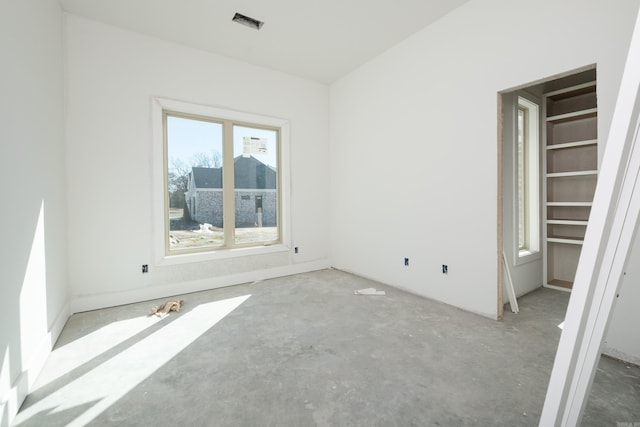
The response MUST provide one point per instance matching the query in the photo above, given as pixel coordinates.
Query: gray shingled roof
(207, 177)
(249, 173)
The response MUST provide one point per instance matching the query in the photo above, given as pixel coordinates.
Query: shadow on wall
(24, 312)
(98, 369)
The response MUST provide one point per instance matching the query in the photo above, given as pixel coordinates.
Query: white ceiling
(321, 40)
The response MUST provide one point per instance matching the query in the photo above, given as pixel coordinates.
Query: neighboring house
(255, 194)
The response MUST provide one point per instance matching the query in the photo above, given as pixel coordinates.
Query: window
(222, 181)
(527, 175)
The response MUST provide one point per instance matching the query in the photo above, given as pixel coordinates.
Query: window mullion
(228, 185)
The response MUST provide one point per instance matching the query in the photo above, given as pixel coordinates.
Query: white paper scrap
(369, 291)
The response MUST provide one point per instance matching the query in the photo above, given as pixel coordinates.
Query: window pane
(522, 193)
(255, 153)
(194, 174)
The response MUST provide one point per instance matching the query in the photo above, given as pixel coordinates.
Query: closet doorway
(548, 167)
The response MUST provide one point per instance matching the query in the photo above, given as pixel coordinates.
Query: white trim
(567, 240)
(571, 88)
(508, 286)
(489, 315)
(573, 115)
(219, 254)
(583, 143)
(557, 288)
(573, 173)
(11, 401)
(157, 107)
(111, 299)
(532, 252)
(570, 204)
(620, 355)
(611, 230)
(525, 257)
(567, 222)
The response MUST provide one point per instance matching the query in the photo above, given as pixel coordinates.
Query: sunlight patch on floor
(69, 356)
(113, 379)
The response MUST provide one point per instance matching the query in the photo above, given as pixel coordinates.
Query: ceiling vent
(249, 22)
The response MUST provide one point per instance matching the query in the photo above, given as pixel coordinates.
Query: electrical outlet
(295, 250)
(445, 269)
(145, 268)
(406, 262)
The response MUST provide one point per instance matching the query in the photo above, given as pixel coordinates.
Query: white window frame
(159, 105)
(532, 191)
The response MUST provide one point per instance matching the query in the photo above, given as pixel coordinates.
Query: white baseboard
(10, 403)
(94, 302)
(492, 316)
(620, 355)
(12, 400)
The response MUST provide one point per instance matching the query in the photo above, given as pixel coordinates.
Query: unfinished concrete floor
(303, 351)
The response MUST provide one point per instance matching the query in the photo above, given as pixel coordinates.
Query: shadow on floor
(303, 350)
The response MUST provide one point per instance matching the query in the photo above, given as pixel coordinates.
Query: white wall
(412, 160)
(622, 339)
(112, 76)
(414, 138)
(33, 273)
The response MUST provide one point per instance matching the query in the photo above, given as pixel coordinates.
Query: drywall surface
(622, 340)
(33, 277)
(113, 75)
(414, 138)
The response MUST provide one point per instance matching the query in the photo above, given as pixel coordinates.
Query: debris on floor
(369, 291)
(173, 240)
(205, 228)
(163, 309)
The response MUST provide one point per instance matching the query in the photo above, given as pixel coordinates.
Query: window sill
(524, 257)
(221, 254)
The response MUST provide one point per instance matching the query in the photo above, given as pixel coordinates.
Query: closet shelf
(569, 92)
(572, 173)
(574, 115)
(567, 240)
(569, 204)
(573, 144)
(566, 222)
